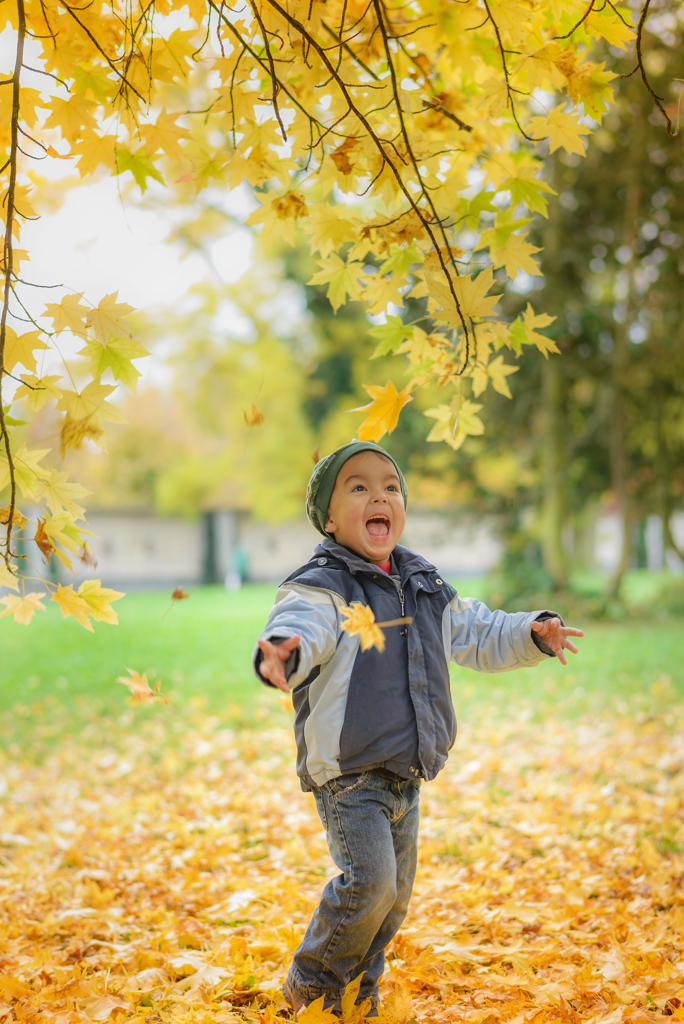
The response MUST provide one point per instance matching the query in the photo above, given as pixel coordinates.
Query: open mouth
(378, 527)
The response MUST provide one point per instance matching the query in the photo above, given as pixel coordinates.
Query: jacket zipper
(403, 602)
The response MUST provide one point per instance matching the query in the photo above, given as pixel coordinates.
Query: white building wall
(135, 550)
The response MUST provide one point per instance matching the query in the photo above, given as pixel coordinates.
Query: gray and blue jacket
(360, 710)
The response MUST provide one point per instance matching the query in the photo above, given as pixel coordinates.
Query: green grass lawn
(201, 649)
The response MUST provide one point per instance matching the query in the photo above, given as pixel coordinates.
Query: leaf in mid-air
(383, 411)
(140, 688)
(360, 620)
(252, 416)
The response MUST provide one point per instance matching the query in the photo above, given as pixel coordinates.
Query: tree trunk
(553, 468)
(618, 450)
(553, 454)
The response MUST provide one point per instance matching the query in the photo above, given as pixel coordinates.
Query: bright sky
(97, 244)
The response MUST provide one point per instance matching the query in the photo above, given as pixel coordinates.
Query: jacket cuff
(291, 665)
(544, 648)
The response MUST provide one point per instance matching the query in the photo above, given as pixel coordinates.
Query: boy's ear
(330, 526)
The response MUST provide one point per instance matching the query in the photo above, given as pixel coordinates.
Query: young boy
(370, 725)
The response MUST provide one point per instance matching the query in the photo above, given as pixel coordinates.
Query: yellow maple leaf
(89, 403)
(108, 318)
(381, 290)
(60, 494)
(20, 348)
(115, 356)
(562, 130)
(93, 151)
(610, 26)
(383, 411)
(166, 135)
(341, 278)
(496, 371)
(315, 1014)
(360, 619)
(75, 431)
(279, 216)
(7, 579)
(26, 469)
(253, 418)
(471, 293)
(532, 320)
(22, 608)
(98, 599)
(140, 688)
(70, 312)
(18, 518)
(516, 255)
(330, 227)
(72, 116)
(37, 390)
(71, 604)
(455, 421)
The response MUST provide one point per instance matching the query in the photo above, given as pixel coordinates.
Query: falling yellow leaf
(360, 619)
(253, 418)
(140, 688)
(383, 411)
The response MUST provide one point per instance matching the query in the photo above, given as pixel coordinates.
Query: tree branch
(8, 260)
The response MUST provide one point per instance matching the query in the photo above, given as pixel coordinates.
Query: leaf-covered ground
(165, 872)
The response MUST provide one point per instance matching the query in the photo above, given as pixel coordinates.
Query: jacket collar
(407, 562)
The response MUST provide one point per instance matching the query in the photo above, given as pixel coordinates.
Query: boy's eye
(359, 487)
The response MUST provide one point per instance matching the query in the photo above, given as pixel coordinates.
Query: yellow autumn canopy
(398, 139)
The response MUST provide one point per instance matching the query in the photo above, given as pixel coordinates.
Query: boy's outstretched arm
(275, 656)
(302, 633)
(555, 635)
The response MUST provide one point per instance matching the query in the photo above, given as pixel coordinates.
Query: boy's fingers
(571, 631)
(570, 646)
(561, 657)
(286, 647)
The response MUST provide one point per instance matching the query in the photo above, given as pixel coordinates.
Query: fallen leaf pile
(162, 866)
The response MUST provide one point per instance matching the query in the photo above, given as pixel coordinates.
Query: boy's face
(366, 511)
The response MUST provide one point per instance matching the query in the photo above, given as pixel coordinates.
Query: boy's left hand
(556, 636)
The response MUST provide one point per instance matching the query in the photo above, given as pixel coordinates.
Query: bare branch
(640, 67)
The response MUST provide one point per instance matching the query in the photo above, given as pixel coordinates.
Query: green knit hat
(322, 482)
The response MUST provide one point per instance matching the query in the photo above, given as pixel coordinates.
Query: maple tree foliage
(396, 138)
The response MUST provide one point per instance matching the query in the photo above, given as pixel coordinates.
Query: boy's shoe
(295, 1001)
(298, 1002)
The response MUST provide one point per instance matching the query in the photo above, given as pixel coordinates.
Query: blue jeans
(371, 825)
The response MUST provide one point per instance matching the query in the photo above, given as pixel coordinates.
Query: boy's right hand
(272, 666)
